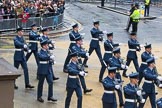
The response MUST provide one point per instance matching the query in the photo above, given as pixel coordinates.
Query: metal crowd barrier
(44, 21)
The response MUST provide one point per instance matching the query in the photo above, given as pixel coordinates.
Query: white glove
(139, 92)
(85, 74)
(126, 67)
(29, 51)
(41, 34)
(105, 32)
(117, 86)
(160, 85)
(120, 43)
(87, 54)
(53, 42)
(50, 45)
(155, 57)
(52, 57)
(142, 101)
(25, 46)
(82, 34)
(82, 73)
(141, 45)
(123, 66)
(159, 78)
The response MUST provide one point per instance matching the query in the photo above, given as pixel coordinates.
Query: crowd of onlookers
(27, 8)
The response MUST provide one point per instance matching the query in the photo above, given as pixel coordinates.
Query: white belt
(147, 81)
(108, 51)
(132, 49)
(73, 42)
(130, 100)
(18, 49)
(144, 63)
(43, 62)
(79, 57)
(110, 92)
(33, 41)
(94, 38)
(73, 76)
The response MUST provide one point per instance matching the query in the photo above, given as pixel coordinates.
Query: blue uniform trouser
(109, 105)
(98, 52)
(141, 69)
(52, 72)
(130, 105)
(67, 60)
(152, 97)
(135, 62)
(25, 68)
(41, 82)
(82, 80)
(103, 68)
(120, 94)
(69, 95)
(35, 55)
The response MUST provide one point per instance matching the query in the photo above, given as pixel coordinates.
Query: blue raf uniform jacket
(95, 34)
(130, 93)
(73, 70)
(149, 75)
(159, 103)
(79, 50)
(72, 36)
(108, 85)
(133, 44)
(108, 46)
(19, 44)
(144, 56)
(44, 68)
(33, 36)
(115, 62)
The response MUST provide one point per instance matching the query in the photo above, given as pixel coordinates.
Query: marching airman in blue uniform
(94, 44)
(34, 39)
(149, 87)
(44, 72)
(109, 97)
(19, 56)
(159, 103)
(51, 47)
(73, 83)
(132, 92)
(81, 54)
(72, 35)
(144, 56)
(115, 62)
(108, 46)
(134, 46)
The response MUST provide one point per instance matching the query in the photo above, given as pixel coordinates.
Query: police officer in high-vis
(149, 86)
(144, 56)
(132, 92)
(94, 44)
(109, 45)
(159, 103)
(115, 62)
(133, 46)
(44, 72)
(33, 42)
(109, 97)
(147, 7)
(135, 16)
(72, 35)
(73, 82)
(81, 54)
(19, 56)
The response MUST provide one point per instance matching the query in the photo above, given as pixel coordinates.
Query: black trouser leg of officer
(135, 62)
(147, 9)
(134, 26)
(129, 24)
(35, 55)
(98, 52)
